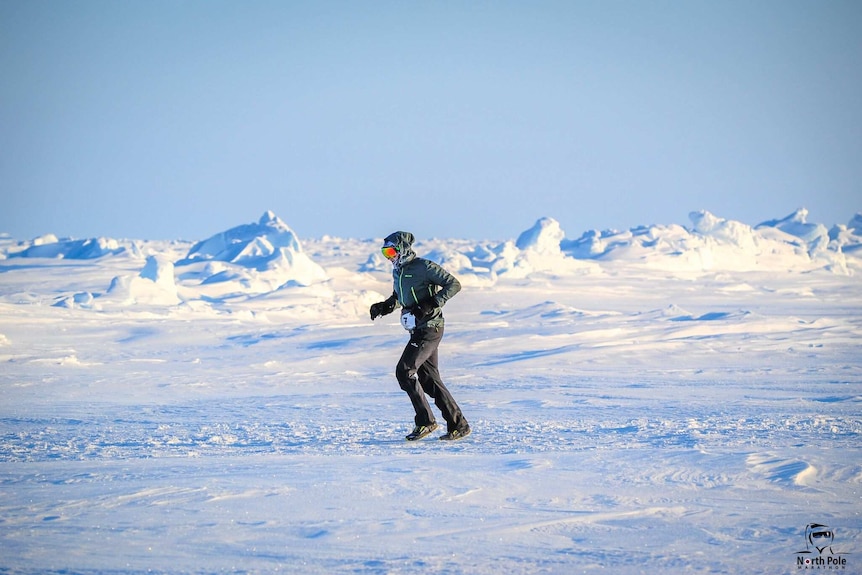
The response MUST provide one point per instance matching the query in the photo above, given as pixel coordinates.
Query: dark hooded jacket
(420, 283)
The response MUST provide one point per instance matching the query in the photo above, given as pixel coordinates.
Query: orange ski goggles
(390, 252)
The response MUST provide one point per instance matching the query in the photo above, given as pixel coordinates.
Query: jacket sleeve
(449, 284)
(392, 301)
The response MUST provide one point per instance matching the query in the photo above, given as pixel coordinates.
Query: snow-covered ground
(666, 399)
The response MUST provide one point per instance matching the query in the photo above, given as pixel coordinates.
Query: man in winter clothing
(421, 288)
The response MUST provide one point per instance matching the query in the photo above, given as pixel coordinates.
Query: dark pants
(417, 372)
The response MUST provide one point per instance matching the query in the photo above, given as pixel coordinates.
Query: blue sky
(163, 120)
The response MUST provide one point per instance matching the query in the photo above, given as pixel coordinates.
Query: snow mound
(544, 237)
(80, 300)
(154, 285)
(715, 243)
(537, 250)
(816, 236)
(728, 232)
(711, 243)
(646, 244)
(847, 239)
(49, 246)
(262, 256)
(259, 246)
(732, 245)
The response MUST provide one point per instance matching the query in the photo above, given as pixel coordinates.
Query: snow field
(626, 419)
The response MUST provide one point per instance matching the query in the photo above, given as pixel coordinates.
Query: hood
(403, 241)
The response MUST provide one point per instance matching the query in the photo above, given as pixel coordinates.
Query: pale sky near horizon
(166, 119)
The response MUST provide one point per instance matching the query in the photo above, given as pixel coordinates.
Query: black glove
(426, 308)
(382, 308)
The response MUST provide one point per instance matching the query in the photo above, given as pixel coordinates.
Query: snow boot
(456, 434)
(421, 431)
